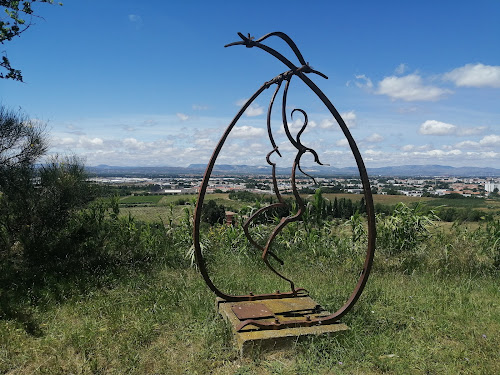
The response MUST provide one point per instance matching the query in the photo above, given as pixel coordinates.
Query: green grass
(165, 322)
(141, 199)
(430, 309)
(441, 318)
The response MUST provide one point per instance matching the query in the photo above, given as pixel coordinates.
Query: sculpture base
(251, 339)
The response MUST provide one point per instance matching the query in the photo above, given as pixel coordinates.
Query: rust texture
(301, 71)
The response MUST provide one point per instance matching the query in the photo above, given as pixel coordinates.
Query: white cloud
(61, 142)
(342, 143)
(401, 68)
(204, 142)
(182, 116)
(375, 137)
(467, 144)
(471, 131)
(490, 140)
(363, 82)
(371, 152)
(133, 144)
(247, 132)
(407, 148)
(254, 110)
(409, 88)
(90, 142)
(349, 118)
(330, 123)
(198, 107)
(327, 123)
(438, 153)
(433, 127)
(475, 75)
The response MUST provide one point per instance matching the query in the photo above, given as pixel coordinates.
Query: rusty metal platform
(250, 338)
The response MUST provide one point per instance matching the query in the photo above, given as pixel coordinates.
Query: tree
(213, 213)
(18, 19)
(22, 141)
(36, 201)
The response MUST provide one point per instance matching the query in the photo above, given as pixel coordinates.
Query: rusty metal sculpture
(300, 72)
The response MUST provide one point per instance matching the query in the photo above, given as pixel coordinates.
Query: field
(152, 208)
(431, 305)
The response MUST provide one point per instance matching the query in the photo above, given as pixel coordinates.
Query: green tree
(22, 141)
(213, 213)
(17, 17)
(36, 201)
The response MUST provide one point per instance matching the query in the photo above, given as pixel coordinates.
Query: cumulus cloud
(374, 138)
(342, 143)
(182, 116)
(62, 142)
(349, 118)
(490, 140)
(133, 144)
(87, 142)
(407, 148)
(433, 127)
(371, 152)
(247, 132)
(409, 88)
(252, 110)
(327, 123)
(475, 75)
(467, 144)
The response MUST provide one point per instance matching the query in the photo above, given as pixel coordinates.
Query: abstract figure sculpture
(300, 72)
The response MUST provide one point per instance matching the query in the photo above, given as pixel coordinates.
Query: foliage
(400, 235)
(22, 141)
(37, 204)
(213, 213)
(19, 19)
(244, 195)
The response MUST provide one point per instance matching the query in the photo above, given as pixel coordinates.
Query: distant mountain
(224, 169)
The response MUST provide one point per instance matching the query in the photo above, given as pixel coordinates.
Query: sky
(149, 83)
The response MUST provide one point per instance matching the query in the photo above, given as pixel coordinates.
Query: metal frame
(300, 72)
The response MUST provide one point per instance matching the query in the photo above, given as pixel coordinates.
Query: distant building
(490, 186)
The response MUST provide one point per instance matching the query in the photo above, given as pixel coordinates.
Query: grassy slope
(164, 321)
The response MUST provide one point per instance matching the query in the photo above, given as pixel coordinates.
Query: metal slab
(251, 339)
(251, 311)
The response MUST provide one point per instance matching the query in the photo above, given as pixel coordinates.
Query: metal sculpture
(301, 72)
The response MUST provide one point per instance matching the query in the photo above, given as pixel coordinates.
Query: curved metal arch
(301, 73)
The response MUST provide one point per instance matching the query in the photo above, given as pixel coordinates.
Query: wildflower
(484, 336)
(341, 363)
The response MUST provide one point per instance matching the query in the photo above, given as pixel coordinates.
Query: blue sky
(149, 83)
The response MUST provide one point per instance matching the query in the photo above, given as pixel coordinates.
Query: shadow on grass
(27, 288)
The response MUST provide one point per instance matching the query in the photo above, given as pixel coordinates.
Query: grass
(164, 321)
(141, 199)
(160, 318)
